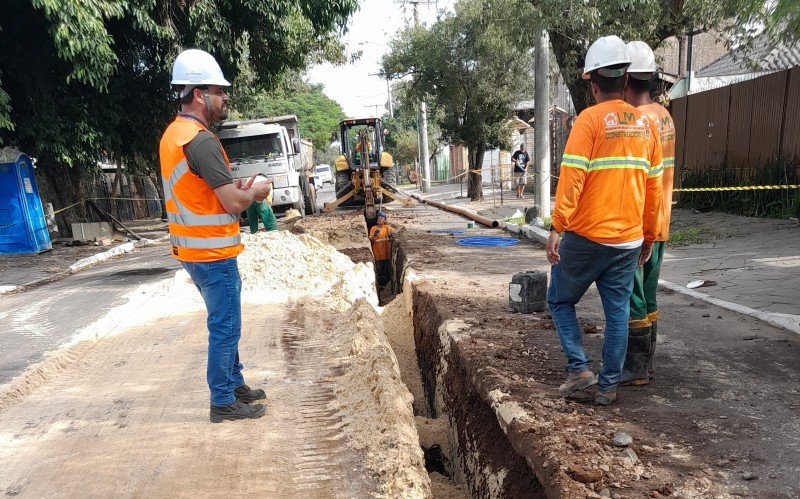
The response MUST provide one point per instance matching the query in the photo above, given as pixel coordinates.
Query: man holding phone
(203, 203)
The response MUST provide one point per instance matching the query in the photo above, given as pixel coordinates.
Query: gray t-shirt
(205, 159)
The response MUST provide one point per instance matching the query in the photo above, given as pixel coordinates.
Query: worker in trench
(381, 236)
(644, 315)
(612, 159)
(203, 206)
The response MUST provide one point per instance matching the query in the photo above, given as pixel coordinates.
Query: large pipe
(487, 222)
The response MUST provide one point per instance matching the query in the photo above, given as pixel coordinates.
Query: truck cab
(267, 147)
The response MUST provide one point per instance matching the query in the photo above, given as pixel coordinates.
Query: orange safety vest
(381, 244)
(200, 230)
(666, 130)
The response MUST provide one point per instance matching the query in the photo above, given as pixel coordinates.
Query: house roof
(765, 54)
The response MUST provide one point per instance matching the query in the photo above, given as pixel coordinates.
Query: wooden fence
(740, 128)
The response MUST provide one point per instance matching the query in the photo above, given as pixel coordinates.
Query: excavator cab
(364, 170)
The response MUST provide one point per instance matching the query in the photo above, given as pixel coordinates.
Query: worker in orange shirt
(381, 238)
(643, 324)
(608, 208)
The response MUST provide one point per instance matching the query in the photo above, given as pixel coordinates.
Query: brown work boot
(577, 381)
(605, 398)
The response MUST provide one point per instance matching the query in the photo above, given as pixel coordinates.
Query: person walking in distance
(381, 238)
(520, 159)
(203, 205)
(644, 315)
(608, 208)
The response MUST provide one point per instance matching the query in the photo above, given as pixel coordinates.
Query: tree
(402, 131)
(473, 68)
(100, 81)
(573, 26)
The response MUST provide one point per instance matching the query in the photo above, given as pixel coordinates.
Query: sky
(355, 86)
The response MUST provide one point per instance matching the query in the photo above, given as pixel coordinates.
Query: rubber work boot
(634, 372)
(653, 337)
(605, 398)
(237, 410)
(577, 381)
(246, 394)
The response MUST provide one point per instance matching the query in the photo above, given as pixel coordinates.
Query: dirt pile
(278, 265)
(375, 404)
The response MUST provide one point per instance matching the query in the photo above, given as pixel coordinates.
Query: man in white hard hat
(608, 208)
(644, 315)
(203, 203)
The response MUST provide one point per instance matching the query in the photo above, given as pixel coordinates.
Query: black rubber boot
(638, 357)
(653, 337)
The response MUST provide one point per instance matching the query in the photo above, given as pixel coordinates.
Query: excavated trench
(466, 452)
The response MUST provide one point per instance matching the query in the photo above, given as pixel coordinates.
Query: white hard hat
(643, 61)
(604, 52)
(194, 67)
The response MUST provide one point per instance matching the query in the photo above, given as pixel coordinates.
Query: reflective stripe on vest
(188, 219)
(204, 242)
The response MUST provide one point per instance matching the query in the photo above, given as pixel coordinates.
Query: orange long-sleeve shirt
(381, 244)
(666, 131)
(609, 187)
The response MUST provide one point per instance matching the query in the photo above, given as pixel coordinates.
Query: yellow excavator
(364, 171)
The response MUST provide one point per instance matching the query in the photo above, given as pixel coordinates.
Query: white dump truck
(272, 147)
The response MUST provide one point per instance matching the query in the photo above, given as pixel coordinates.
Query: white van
(324, 174)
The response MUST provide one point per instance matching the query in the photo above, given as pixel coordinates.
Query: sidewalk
(20, 271)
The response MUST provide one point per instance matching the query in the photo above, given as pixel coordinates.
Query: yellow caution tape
(738, 188)
(68, 207)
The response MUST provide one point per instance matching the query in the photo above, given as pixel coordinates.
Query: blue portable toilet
(23, 228)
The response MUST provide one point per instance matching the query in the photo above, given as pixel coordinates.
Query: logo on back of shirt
(626, 125)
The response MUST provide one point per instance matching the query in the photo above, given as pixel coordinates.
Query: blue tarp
(23, 228)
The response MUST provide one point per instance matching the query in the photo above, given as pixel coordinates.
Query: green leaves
(473, 66)
(84, 76)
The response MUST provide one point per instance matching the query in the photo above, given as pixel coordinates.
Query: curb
(83, 263)
(789, 322)
(785, 321)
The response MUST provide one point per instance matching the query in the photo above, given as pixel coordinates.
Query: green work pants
(645, 283)
(263, 210)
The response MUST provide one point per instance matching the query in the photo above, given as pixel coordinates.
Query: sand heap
(278, 265)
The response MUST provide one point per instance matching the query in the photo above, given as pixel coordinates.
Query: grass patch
(692, 235)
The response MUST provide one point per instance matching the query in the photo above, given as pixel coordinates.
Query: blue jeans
(611, 269)
(221, 287)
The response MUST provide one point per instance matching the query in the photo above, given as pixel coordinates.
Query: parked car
(324, 173)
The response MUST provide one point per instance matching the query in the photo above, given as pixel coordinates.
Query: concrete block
(89, 231)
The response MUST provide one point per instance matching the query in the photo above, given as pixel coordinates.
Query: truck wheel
(300, 206)
(309, 197)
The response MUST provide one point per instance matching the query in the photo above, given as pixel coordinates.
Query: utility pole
(422, 120)
(541, 131)
(389, 91)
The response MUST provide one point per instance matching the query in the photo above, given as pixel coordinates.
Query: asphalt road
(41, 319)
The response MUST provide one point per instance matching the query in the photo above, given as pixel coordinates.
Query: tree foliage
(473, 68)
(574, 25)
(81, 77)
(402, 132)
